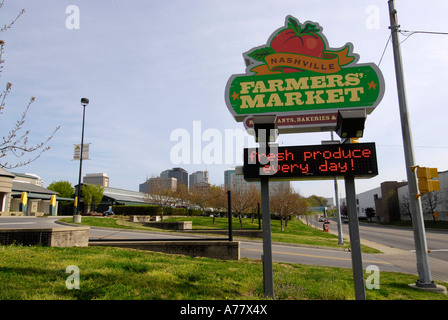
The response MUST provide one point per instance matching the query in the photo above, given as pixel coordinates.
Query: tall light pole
(84, 103)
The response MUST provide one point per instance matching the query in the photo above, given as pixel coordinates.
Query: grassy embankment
(296, 231)
(39, 273)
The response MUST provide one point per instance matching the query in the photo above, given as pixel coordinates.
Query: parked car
(108, 212)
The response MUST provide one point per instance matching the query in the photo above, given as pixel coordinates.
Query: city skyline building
(236, 182)
(154, 184)
(101, 179)
(199, 178)
(179, 173)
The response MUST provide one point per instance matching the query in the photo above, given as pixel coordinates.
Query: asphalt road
(400, 238)
(28, 222)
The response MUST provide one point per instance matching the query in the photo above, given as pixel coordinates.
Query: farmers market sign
(297, 72)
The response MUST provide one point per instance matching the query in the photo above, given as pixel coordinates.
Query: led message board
(311, 162)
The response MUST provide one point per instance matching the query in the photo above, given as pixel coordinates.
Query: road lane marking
(17, 223)
(433, 250)
(107, 237)
(316, 256)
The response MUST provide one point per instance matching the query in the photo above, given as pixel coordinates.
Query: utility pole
(421, 250)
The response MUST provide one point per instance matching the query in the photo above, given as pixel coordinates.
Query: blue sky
(151, 67)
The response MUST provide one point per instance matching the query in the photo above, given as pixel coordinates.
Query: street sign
(85, 151)
(311, 162)
(303, 122)
(297, 71)
(298, 83)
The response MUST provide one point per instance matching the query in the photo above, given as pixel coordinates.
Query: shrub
(139, 210)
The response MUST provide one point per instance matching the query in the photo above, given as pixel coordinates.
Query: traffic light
(425, 180)
(354, 140)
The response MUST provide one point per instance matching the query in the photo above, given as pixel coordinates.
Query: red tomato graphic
(294, 39)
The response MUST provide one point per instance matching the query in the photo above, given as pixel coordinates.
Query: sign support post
(338, 209)
(278, 91)
(355, 242)
(268, 281)
(265, 132)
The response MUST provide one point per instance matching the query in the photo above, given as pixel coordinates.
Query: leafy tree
(16, 141)
(316, 201)
(63, 188)
(92, 195)
(370, 213)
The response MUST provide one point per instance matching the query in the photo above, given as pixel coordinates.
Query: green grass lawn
(106, 273)
(296, 231)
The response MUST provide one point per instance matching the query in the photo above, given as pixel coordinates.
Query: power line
(384, 50)
(429, 32)
(407, 34)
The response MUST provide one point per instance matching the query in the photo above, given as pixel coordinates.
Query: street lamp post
(84, 103)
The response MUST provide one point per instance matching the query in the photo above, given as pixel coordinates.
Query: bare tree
(218, 198)
(182, 195)
(430, 201)
(405, 208)
(242, 201)
(16, 141)
(255, 194)
(200, 197)
(160, 194)
(285, 202)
